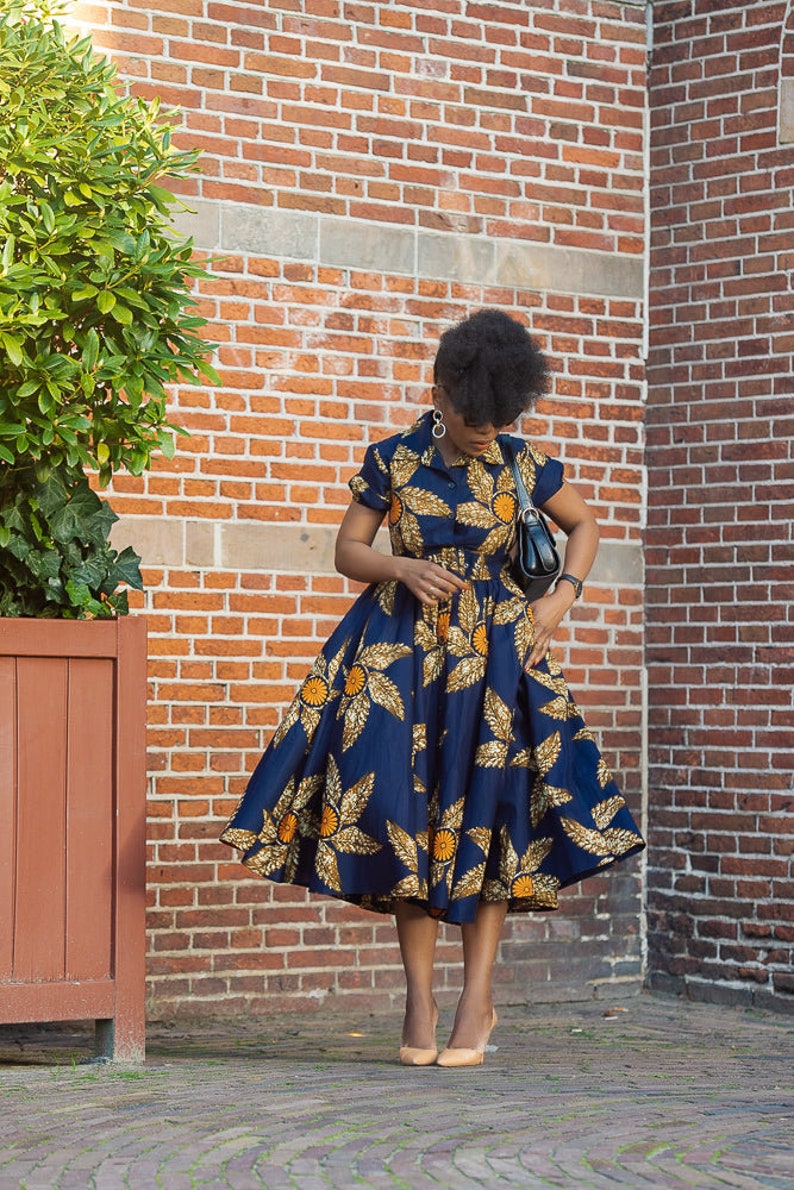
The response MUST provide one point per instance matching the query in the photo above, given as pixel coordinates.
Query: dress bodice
(462, 515)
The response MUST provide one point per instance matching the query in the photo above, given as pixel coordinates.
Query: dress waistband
(468, 564)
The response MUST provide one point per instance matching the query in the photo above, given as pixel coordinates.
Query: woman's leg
(474, 1016)
(417, 933)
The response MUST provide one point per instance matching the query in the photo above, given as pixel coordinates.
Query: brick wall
(371, 173)
(719, 543)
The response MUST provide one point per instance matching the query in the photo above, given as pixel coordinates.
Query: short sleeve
(543, 476)
(371, 486)
(548, 481)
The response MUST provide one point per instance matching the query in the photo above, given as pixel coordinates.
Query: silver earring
(439, 429)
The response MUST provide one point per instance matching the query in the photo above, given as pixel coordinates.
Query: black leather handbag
(537, 563)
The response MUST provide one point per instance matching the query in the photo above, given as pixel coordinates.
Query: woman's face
(466, 436)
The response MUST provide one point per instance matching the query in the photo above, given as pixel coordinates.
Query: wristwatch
(577, 583)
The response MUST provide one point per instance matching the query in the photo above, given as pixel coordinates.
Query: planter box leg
(119, 1044)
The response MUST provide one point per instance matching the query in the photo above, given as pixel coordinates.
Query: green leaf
(106, 301)
(13, 347)
(128, 568)
(90, 350)
(122, 314)
(82, 295)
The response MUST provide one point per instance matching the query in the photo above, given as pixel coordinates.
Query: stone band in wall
(413, 251)
(180, 543)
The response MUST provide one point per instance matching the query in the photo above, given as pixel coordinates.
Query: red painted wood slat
(8, 812)
(91, 798)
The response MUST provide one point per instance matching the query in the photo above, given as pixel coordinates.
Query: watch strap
(577, 583)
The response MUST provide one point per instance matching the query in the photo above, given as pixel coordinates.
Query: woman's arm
(577, 520)
(356, 559)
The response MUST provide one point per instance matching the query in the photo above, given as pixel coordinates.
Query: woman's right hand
(428, 581)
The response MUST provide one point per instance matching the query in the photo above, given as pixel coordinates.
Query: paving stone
(655, 1093)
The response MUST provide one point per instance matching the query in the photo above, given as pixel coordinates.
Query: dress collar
(427, 448)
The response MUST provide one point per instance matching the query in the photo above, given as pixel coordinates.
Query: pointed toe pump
(414, 1055)
(465, 1057)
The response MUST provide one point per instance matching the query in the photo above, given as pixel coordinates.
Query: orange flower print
(479, 640)
(277, 846)
(287, 827)
(339, 832)
(314, 691)
(493, 507)
(356, 680)
(504, 507)
(313, 697)
(442, 624)
(329, 821)
(523, 886)
(366, 683)
(395, 510)
(443, 845)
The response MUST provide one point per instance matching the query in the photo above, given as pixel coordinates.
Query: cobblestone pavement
(649, 1092)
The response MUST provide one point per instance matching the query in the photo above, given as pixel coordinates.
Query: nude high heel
(466, 1057)
(414, 1055)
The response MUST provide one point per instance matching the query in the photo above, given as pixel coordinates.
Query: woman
(433, 764)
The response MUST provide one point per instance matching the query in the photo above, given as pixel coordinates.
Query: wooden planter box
(73, 808)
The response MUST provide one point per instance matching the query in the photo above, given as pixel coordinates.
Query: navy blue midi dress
(421, 759)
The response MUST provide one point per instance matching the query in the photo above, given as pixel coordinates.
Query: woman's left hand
(547, 612)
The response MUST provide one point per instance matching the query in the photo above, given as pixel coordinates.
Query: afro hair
(490, 367)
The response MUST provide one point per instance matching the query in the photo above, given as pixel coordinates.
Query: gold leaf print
(403, 465)
(558, 708)
(468, 611)
(620, 841)
(544, 797)
(424, 502)
(265, 861)
(314, 694)
(469, 884)
(536, 853)
(386, 694)
(547, 752)
(591, 841)
(520, 877)
(498, 715)
(410, 886)
(353, 802)
(355, 715)
(509, 610)
(353, 841)
(404, 846)
(425, 636)
(365, 682)
(491, 755)
(481, 836)
(385, 594)
(584, 733)
(604, 812)
(604, 774)
(524, 635)
(236, 837)
(466, 673)
(442, 843)
(339, 831)
(327, 868)
(381, 655)
(475, 514)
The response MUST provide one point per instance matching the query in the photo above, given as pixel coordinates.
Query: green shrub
(95, 297)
